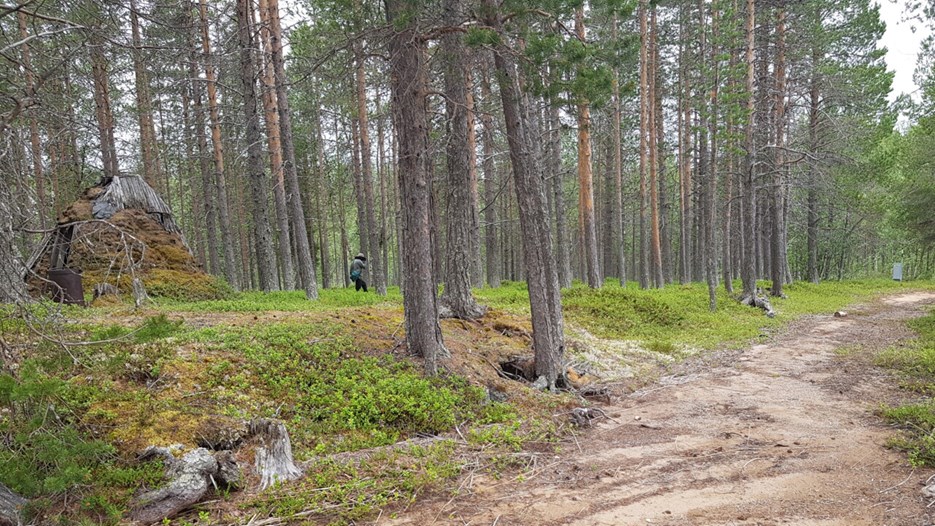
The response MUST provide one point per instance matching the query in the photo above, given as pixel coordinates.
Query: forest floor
(783, 432)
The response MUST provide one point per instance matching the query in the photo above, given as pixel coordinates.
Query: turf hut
(118, 231)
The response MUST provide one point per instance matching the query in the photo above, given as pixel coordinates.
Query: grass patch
(916, 361)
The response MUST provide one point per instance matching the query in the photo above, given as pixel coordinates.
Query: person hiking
(357, 268)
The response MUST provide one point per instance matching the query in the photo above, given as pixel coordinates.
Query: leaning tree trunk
(266, 261)
(461, 203)
(542, 278)
(410, 90)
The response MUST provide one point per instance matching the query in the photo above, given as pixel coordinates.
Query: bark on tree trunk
(321, 194)
(656, 244)
(35, 146)
(105, 117)
(207, 176)
(558, 190)
(266, 260)
(461, 200)
(297, 213)
(618, 241)
(778, 267)
(152, 170)
(227, 238)
(373, 241)
(711, 190)
(491, 189)
(813, 169)
(644, 271)
(748, 201)
(542, 278)
(410, 89)
(587, 228)
(685, 185)
(274, 142)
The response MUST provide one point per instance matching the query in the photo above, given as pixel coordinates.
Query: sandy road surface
(778, 433)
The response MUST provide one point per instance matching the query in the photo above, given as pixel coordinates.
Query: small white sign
(898, 272)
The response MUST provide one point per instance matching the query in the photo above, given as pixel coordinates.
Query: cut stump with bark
(11, 506)
(274, 462)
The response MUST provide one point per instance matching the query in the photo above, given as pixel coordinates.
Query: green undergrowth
(679, 315)
(915, 360)
(292, 301)
(74, 420)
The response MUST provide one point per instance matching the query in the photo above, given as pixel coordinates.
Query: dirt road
(778, 433)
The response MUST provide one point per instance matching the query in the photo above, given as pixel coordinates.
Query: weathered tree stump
(274, 461)
(11, 506)
(760, 302)
(190, 478)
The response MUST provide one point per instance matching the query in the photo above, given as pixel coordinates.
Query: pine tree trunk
(587, 228)
(207, 175)
(778, 268)
(227, 238)
(152, 170)
(374, 253)
(685, 220)
(664, 237)
(321, 195)
(34, 144)
(265, 258)
(618, 239)
(748, 199)
(711, 186)
(105, 117)
(296, 212)
(558, 191)
(274, 142)
(656, 244)
(644, 271)
(812, 198)
(491, 188)
(408, 74)
(542, 278)
(461, 200)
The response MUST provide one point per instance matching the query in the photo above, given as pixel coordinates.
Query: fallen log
(11, 507)
(274, 461)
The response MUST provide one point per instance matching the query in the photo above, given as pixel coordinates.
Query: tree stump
(11, 506)
(274, 461)
(760, 302)
(190, 478)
